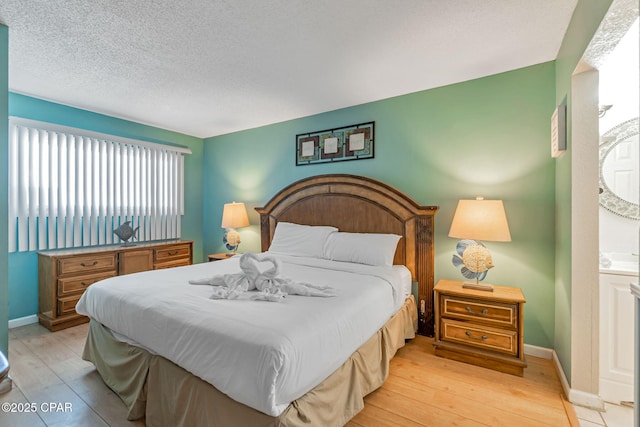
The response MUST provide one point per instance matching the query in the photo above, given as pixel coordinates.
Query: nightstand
(480, 327)
(218, 257)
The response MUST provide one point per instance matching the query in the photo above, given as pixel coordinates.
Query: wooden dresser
(480, 327)
(64, 275)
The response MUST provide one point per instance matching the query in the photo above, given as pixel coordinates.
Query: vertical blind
(70, 187)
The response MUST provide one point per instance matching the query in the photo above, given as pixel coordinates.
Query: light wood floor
(422, 389)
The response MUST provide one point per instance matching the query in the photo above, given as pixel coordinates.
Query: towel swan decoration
(268, 285)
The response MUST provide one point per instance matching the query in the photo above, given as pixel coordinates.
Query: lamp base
(478, 286)
(231, 240)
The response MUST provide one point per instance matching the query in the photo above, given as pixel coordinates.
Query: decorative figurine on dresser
(126, 232)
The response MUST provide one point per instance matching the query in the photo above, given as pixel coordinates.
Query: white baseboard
(21, 321)
(535, 351)
(563, 378)
(577, 397)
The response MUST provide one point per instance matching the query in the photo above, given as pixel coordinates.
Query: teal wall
(584, 23)
(485, 137)
(4, 186)
(23, 275)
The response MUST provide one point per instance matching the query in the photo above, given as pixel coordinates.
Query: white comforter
(261, 354)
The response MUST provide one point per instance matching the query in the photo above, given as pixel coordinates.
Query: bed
(291, 372)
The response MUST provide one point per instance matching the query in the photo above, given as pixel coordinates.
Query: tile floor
(613, 416)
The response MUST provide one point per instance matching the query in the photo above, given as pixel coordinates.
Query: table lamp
(476, 220)
(234, 215)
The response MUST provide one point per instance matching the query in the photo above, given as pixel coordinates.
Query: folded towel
(260, 285)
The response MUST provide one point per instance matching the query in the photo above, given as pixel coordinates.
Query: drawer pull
(85, 283)
(482, 338)
(172, 253)
(477, 313)
(89, 265)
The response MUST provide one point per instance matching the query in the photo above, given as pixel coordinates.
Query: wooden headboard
(362, 205)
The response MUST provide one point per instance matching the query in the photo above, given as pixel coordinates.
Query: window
(70, 187)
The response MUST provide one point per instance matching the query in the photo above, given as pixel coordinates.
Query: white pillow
(300, 240)
(362, 248)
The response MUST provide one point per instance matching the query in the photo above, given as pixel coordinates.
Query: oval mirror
(619, 170)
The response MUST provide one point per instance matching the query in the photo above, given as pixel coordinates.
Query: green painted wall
(23, 275)
(4, 187)
(483, 137)
(584, 23)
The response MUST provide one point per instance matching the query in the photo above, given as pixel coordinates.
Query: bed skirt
(167, 395)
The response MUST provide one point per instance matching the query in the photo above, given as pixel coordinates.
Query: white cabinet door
(616, 338)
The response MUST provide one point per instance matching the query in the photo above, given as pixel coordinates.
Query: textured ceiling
(209, 67)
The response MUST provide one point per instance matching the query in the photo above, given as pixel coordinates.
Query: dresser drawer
(170, 264)
(72, 285)
(487, 312)
(172, 253)
(91, 263)
(67, 305)
(472, 334)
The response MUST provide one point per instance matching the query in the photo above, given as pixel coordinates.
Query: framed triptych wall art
(353, 142)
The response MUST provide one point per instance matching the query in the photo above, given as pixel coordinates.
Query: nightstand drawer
(487, 312)
(500, 340)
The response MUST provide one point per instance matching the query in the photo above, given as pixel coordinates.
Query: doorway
(619, 169)
(585, 294)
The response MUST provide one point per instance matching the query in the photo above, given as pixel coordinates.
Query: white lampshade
(480, 219)
(234, 215)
